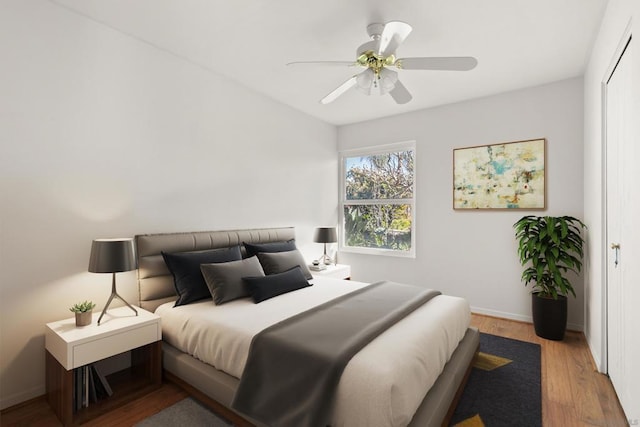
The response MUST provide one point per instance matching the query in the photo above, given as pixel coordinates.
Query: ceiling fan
(377, 55)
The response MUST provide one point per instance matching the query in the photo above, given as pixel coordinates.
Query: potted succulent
(83, 312)
(549, 247)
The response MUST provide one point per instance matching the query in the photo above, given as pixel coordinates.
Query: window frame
(369, 151)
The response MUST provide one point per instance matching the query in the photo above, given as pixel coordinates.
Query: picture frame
(510, 175)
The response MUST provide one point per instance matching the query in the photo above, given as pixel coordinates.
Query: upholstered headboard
(155, 283)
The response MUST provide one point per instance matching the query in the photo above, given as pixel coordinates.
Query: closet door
(623, 237)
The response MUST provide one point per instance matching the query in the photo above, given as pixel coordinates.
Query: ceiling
(518, 43)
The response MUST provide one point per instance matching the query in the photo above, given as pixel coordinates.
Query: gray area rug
(187, 412)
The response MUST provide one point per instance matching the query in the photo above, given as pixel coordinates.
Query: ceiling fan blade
(452, 63)
(392, 36)
(400, 94)
(339, 90)
(324, 63)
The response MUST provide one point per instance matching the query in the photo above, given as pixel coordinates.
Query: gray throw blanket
(294, 366)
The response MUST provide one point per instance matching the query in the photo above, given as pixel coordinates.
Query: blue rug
(504, 386)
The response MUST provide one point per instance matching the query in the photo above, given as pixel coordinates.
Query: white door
(623, 235)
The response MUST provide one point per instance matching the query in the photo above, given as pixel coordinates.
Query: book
(103, 389)
(85, 386)
(93, 393)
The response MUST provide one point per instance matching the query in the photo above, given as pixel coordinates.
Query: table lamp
(325, 235)
(112, 256)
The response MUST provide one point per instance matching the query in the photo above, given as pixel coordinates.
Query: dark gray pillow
(225, 280)
(187, 277)
(263, 288)
(279, 262)
(255, 248)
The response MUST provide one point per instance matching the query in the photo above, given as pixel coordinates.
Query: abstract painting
(500, 176)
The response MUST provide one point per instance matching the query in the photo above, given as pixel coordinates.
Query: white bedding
(382, 385)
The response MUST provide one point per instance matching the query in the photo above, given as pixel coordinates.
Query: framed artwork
(500, 176)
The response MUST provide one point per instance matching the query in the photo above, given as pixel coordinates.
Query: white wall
(102, 135)
(616, 22)
(473, 253)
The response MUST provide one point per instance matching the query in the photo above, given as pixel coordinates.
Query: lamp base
(325, 259)
(113, 295)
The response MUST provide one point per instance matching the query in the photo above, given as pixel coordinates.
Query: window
(378, 199)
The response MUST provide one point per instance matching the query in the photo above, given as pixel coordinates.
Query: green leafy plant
(550, 247)
(82, 307)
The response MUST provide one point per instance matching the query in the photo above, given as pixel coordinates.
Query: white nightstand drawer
(115, 344)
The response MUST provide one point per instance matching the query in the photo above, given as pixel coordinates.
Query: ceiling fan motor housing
(370, 46)
(375, 30)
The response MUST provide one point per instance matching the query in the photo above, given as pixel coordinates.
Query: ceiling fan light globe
(364, 80)
(387, 81)
(386, 87)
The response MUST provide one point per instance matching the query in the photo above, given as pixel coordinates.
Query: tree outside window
(378, 200)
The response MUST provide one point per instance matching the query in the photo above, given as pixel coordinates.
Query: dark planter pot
(549, 316)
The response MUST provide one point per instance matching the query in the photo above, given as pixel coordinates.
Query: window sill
(378, 252)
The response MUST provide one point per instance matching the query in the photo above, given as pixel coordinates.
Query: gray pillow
(279, 262)
(225, 279)
(255, 248)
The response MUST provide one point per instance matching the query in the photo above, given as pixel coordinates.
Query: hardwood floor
(573, 392)
(37, 412)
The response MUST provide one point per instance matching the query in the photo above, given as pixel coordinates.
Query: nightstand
(69, 349)
(335, 271)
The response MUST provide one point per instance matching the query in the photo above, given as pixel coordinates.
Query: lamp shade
(112, 256)
(325, 235)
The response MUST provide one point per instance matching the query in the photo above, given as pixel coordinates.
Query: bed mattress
(382, 385)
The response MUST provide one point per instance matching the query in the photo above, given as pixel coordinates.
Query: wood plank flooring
(573, 392)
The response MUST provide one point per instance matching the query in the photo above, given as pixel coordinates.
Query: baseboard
(501, 314)
(596, 359)
(520, 318)
(21, 397)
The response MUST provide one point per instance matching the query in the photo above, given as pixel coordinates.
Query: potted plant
(83, 312)
(549, 247)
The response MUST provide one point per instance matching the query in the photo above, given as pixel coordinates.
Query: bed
(184, 359)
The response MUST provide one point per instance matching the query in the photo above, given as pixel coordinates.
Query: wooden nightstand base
(144, 375)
